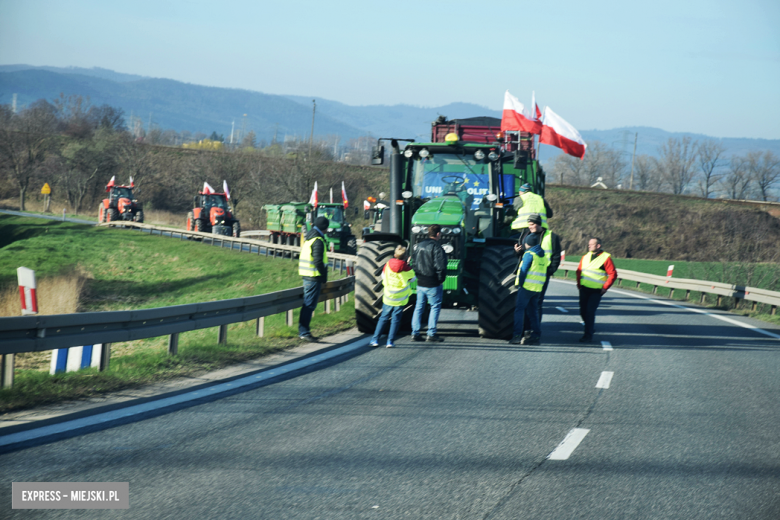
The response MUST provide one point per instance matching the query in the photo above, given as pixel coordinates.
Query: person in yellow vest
(397, 277)
(526, 203)
(595, 275)
(313, 267)
(529, 281)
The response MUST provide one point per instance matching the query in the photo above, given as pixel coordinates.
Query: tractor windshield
(332, 213)
(215, 201)
(449, 174)
(119, 193)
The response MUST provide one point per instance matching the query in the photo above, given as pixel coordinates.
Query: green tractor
(465, 180)
(339, 236)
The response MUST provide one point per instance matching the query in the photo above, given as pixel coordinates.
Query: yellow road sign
(46, 190)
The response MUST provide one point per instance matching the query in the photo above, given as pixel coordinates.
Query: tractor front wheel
(368, 283)
(200, 226)
(113, 214)
(139, 216)
(497, 292)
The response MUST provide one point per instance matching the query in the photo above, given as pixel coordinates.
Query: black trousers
(589, 302)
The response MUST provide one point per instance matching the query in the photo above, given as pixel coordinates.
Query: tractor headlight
(448, 248)
(424, 153)
(408, 153)
(330, 230)
(479, 155)
(446, 231)
(416, 229)
(424, 229)
(456, 231)
(492, 156)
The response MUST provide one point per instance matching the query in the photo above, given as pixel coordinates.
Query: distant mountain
(182, 106)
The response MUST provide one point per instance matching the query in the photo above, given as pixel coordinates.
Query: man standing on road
(529, 281)
(551, 245)
(595, 275)
(313, 267)
(527, 203)
(430, 264)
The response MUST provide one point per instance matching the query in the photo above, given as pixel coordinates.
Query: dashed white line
(569, 444)
(606, 345)
(605, 380)
(561, 309)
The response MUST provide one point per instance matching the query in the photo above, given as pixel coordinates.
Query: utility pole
(631, 182)
(311, 137)
(232, 128)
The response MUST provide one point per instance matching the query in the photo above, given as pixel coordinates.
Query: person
(529, 281)
(397, 278)
(551, 245)
(430, 264)
(313, 267)
(527, 203)
(595, 276)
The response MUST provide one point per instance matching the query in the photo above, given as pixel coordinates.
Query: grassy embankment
(82, 268)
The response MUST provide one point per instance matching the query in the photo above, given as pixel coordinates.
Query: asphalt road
(684, 425)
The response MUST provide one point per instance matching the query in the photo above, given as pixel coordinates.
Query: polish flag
(331, 195)
(224, 187)
(515, 118)
(111, 183)
(313, 200)
(131, 183)
(344, 195)
(366, 205)
(559, 133)
(207, 189)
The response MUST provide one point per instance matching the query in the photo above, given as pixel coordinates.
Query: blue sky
(710, 67)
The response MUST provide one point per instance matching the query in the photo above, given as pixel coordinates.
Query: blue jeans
(527, 304)
(392, 313)
(311, 295)
(433, 295)
(539, 305)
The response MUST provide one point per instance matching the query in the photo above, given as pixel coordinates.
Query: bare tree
(764, 170)
(25, 139)
(736, 180)
(710, 155)
(646, 174)
(676, 160)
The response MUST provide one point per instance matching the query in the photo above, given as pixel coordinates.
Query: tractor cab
(214, 201)
(121, 192)
(332, 213)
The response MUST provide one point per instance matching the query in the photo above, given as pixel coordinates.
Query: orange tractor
(120, 204)
(211, 213)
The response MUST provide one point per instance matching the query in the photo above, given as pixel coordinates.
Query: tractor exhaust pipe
(396, 180)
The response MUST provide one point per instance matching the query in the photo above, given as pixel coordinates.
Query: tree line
(76, 148)
(683, 166)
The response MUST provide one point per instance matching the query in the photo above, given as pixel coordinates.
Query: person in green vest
(526, 203)
(397, 277)
(529, 281)
(595, 275)
(313, 267)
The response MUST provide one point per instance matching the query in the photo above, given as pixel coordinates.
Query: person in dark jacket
(430, 265)
(313, 267)
(530, 278)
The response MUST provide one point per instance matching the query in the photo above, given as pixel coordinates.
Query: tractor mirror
(378, 155)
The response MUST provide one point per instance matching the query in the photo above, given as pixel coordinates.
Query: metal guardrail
(738, 292)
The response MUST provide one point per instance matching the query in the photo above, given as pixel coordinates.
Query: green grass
(131, 270)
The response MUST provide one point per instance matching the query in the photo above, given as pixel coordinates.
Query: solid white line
(607, 345)
(605, 380)
(561, 309)
(569, 444)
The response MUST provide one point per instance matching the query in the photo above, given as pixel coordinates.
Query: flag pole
(539, 146)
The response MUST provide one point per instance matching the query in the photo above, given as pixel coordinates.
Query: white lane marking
(561, 309)
(605, 380)
(691, 309)
(569, 444)
(606, 345)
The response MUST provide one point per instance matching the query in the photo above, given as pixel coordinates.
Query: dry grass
(56, 295)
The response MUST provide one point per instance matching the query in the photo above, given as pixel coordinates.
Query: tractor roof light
(500, 136)
(479, 155)
(452, 137)
(407, 194)
(424, 153)
(408, 153)
(371, 200)
(493, 155)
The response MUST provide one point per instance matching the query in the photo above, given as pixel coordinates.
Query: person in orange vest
(595, 275)
(397, 277)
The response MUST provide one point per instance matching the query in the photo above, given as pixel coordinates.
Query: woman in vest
(397, 277)
(529, 281)
(595, 275)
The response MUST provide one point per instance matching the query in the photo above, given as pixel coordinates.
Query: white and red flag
(111, 183)
(366, 205)
(331, 195)
(131, 182)
(344, 195)
(224, 187)
(559, 133)
(515, 118)
(314, 199)
(207, 189)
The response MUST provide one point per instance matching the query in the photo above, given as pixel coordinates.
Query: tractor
(465, 180)
(374, 214)
(120, 204)
(212, 213)
(339, 235)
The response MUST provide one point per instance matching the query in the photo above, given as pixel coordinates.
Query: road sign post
(46, 191)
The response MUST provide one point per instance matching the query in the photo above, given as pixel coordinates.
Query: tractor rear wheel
(368, 283)
(113, 214)
(497, 292)
(190, 224)
(101, 214)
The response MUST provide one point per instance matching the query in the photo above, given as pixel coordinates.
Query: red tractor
(211, 213)
(120, 204)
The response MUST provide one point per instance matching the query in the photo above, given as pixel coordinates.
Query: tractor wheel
(236, 229)
(139, 216)
(101, 214)
(351, 246)
(497, 292)
(200, 226)
(190, 224)
(113, 214)
(368, 283)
